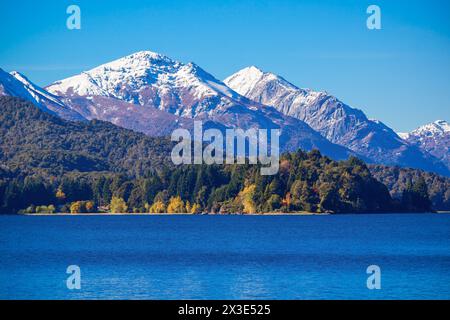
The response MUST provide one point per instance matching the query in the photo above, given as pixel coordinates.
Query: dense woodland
(51, 165)
(398, 179)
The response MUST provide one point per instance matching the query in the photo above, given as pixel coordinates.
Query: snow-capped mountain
(338, 122)
(433, 138)
(435, 129)
(152, 79)
(155, 122)
(17, 85)
(130, 89)
(154, 94)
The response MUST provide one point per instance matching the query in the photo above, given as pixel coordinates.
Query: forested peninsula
(50, 165)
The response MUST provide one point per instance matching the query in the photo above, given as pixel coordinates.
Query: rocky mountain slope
(433, 138)
(334, 119)
(130, 89)
(154, 94)
(17, 85)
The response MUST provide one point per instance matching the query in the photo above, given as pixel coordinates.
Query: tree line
(307, 182)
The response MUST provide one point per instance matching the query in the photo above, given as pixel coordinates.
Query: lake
(225, 257)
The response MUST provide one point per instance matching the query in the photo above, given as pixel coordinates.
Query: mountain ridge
(154, 81)
(17, 85)
(151, 93)
(336, 121)
(433, 138)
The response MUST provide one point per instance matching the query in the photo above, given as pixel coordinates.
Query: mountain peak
(437, 127)
(434, 138)
(108, 79)
(22, 78)
(443, 124)
(15, 73)
(251, 73)
(149, 78)
(148, 54)
(253, 70)
(247, 79)
(144, 57)
(138, 60)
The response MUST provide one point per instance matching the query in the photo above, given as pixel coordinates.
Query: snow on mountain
(433, 138)
(149, 80)
(17, 85)
(36, 92)
(403, 135)
(338, 122)
(156, 122)
(434, 129)
(107, 79)
(155, 94)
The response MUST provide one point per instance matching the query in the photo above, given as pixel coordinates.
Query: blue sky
(400, 74)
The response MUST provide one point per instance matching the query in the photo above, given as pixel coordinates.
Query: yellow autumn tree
(76, 207)
(246, 196)
(157, 207)
(195, 209)
(60, 195)
(89, 206)
(176, 205)
(118, 205)
(188, 207)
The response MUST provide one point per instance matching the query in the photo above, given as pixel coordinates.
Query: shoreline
(218, 214)
(178, 214)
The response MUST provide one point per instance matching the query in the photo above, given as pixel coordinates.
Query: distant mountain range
(336, 121)
(433, 138)
(153, 94)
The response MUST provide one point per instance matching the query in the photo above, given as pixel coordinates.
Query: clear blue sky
(400, 74)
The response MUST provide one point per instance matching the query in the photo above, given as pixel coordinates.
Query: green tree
(273, 203)
(415, 196)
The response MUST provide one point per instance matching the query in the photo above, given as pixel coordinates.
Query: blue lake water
(225, 257)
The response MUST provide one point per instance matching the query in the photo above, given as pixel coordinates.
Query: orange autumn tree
(287, 201)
